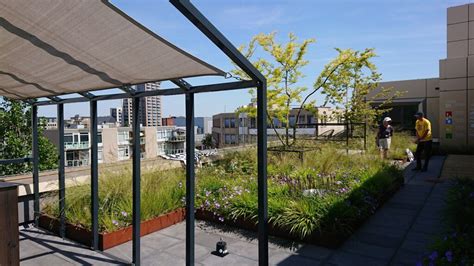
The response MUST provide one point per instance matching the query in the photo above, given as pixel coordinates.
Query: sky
(409, 38)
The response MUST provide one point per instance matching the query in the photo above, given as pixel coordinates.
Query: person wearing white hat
(384, 137)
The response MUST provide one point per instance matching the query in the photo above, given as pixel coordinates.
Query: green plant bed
(161, 192)
(345, 191)
(325, 196)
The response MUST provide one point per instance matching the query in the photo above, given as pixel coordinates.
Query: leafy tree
(16, 138)
(208, 141)
(351, 75)
(348, 80)
(283, 71)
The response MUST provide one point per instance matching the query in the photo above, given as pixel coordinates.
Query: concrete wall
(109, 146)
(151, 144)
(426, 92)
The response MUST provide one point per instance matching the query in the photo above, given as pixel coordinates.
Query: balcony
(83, 145)
(177, 139)
(77, 163)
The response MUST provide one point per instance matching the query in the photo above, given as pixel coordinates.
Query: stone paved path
(397, 234)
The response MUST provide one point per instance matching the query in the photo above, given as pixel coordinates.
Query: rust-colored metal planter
(112, 239)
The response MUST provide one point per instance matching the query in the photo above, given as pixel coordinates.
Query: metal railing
(76, 145)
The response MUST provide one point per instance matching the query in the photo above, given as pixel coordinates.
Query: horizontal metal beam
(237, 85)
(183, 84)
(16, 161)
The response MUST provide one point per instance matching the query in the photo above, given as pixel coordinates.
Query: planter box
(111, 239)
(325, 239)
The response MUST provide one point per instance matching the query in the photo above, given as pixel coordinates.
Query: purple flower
(449, 255)
(433, 255)
(114, 222)
(208, 193)
(217, 205)
(180, 184)
(221, 219)
(124, 213)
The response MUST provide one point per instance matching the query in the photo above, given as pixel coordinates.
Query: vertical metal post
(262, 174)
(61, 176)
(190, 179)
(136, 181)
(347, 137)
(365, 135)
(94, 176)
(34, 121)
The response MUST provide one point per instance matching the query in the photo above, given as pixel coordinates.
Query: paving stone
(163, 259)
(210, 240)
(346, 258)
(294, 260)
(374, 251)
(231, 259)
(406, 257)
(177, 231)
(379, 239)
(179, 250)
(315, 252)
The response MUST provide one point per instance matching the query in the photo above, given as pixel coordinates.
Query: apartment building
(150, 107)
(447, 100)
(116, 113)
(231, 129)
(203, 124)
(115, 143)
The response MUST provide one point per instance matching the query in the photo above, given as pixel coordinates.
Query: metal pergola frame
(257, 81)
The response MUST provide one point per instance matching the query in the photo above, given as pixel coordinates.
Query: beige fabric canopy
(54, 47)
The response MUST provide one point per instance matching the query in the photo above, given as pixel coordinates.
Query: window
(123, 153)
(292, 120)
(84, 137)
(123, 136)
(67, 137)
(99, 138)
(229, 123)
(310, 119)
(99, 155)
(230, 139)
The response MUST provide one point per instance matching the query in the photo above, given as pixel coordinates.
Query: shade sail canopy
(54, 47)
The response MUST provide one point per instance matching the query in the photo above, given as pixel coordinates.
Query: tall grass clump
(161, 192)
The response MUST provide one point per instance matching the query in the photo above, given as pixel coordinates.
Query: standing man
(384, 136)
(424, 141)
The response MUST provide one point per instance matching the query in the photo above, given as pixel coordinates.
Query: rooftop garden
(327, 194)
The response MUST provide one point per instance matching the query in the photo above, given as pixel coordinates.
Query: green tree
(16, 138)
(283, 72)
(208, 141)
(350, 75)
(348, 80)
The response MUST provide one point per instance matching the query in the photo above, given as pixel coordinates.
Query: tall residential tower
(150, 107)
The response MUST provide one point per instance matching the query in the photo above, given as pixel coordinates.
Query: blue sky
(409, 37)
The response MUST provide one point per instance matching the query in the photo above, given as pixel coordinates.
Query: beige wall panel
(432, 113)
(458, 14)
(471, 29)
(458, 32)
(458, 49)
(470, 120)
(455, 102)
(110, 145)
(432, 87)
(470, 83)
(471, 46)
(470, 66)
(453, 84)
(453, 68)
(151, 142)
(413, 88)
